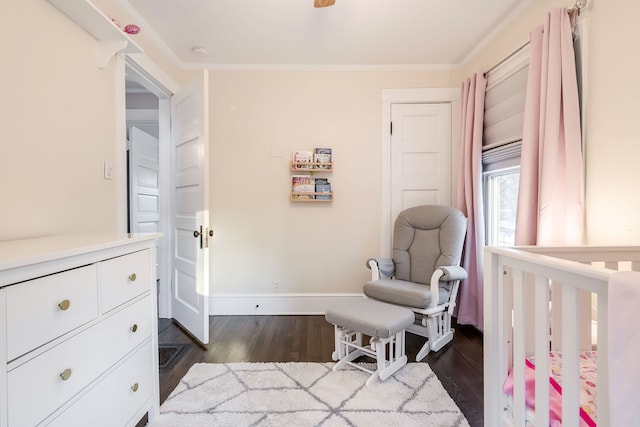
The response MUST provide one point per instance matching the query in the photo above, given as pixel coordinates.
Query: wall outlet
(276, 286)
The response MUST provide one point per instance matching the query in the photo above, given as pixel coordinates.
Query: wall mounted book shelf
(306, 186)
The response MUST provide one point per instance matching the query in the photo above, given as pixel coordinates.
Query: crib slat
(497, 338)
(506, 316)
(556, 316)
(519, 348)
(602, 382)
(570, 359)
(542, 350)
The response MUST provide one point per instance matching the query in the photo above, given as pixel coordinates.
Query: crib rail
(520, 284)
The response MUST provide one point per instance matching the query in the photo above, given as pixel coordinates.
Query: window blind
(504, 112)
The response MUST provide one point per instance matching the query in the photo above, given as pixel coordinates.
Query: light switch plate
(108, 169)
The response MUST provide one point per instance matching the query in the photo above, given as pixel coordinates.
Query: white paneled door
(144, 212)
(143, 162)
(420, 155)
(190, 179)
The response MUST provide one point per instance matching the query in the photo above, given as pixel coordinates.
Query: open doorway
(182, 187)
(143, 170)
(148, 134)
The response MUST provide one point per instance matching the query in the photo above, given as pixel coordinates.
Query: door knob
(196, 234)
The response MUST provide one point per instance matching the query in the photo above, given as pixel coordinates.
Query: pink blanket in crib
(587, 394)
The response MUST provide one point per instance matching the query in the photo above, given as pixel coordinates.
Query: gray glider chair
(427, 246)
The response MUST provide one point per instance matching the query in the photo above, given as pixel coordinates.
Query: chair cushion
(425, 238)
(372, 318)
(405, 293)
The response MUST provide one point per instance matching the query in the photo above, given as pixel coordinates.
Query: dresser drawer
(36, 388)
(124, 278)
(43, 309)
(112, 402)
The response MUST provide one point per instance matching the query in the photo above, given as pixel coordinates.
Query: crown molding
(516, 12)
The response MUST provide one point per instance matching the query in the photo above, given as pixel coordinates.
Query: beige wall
(613, 137)
(58, 126)
(612, 108)
(58, 118)
(58, 115)
(257, 120)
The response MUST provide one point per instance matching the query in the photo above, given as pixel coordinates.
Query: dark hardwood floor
(310, 339)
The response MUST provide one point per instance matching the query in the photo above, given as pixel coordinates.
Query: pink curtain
(470, 305)
(551, 195)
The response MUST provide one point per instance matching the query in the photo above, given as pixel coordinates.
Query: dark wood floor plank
(458, 365)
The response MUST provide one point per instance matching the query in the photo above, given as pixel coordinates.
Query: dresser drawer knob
(134, 327)
(64, 305)
(134, 387)
(133, 277)
(66, 374)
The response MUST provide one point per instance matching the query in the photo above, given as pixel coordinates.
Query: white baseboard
(274, 304)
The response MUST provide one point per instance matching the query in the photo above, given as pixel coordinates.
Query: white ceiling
(352, 33)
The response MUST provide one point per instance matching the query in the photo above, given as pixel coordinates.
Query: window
(502, 139)
(501, 201)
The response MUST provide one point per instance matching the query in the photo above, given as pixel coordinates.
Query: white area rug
(306, 394)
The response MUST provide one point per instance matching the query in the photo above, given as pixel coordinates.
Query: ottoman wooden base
(384, 323)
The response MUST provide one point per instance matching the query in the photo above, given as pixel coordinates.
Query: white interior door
(143, 184)
(144, 190)
(190, 179)
(420, 163)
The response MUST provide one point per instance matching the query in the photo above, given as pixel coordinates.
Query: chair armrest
(381, 267)
(453, 272)
(446, 273)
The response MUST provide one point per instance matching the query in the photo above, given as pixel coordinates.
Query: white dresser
(78, 331)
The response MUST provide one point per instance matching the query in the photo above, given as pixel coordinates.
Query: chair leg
(440, 329)
(426, 348)
(439, 333)
(387, 367)
(339, 347)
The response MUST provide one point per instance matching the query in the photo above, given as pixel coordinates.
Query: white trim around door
(163, 86)
(412, 96)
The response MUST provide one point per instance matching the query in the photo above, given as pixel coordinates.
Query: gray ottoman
(384, 323)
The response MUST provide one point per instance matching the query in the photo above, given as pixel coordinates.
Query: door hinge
(390, 128)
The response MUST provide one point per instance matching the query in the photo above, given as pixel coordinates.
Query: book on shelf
(322, 158)
(302, 160)
(322, 185)
(302, 187)
(295, 196)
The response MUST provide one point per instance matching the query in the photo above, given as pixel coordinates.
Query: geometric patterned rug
(307, 394)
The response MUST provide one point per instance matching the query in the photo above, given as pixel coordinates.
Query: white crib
(538, 299)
